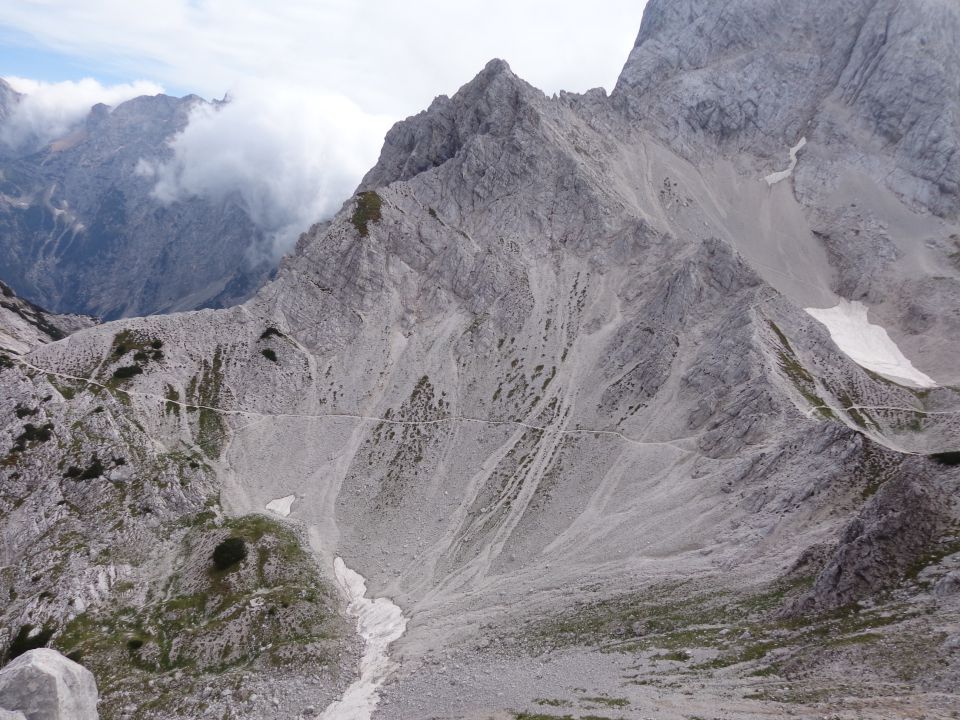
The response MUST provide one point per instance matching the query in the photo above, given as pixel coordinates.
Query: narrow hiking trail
(547, 429)
(354, 416)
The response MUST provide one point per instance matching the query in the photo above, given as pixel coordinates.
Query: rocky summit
(589, 406)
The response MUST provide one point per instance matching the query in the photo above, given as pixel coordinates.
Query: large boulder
(44, 685)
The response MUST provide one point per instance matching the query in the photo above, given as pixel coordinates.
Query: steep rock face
(891, 535)
(44, 685)
(747, 75)
(755, 77)
(82, 233)
(870, 87)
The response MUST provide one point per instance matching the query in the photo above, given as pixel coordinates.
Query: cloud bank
(48, 111)
(289, 155)
(312, 82)
(389, 57)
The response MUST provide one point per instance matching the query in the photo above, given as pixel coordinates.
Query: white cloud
(313, 81)
(291, 156)
(49, 110)
(387, 56)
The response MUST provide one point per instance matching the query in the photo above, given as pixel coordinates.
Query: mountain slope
(548, 381)
(82, 233)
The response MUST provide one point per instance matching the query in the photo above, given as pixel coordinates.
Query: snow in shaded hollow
(776, 177)
(867, 344)
(379, 623)
(282, 506)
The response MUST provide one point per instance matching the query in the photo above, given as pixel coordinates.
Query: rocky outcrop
(948, 585)
(889, 537)
(44, 685)
(491, 104)
(8, 98)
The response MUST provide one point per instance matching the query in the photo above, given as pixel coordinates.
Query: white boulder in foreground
(44, 685)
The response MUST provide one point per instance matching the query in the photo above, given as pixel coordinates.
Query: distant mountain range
(80, 231)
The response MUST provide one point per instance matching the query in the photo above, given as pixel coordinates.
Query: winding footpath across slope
(354, 416)
(449, 419)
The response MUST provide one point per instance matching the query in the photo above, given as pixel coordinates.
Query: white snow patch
(281, 506)
(379, 623)
(867, 344)
(776, 177)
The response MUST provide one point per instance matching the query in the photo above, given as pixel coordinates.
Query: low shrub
(947, 458)
(127, 371)
(32, 433)
(230, 552)
(367, 211)
(25, 642)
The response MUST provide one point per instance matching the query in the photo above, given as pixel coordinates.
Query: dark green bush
(156, 344)
(32, 433)
(269, 354)
(94, 470)
(24, 642)
(127, 371)
(947, 458)
(230, 552)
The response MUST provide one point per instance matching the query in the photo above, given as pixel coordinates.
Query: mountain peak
(488, 104)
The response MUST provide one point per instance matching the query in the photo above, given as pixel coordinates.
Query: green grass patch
(608, 701)
(802, 380)
(366, 211)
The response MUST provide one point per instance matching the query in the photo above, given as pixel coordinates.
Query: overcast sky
(315, 83)
(387, 56)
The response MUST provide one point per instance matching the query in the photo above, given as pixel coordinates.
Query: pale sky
(315, 83)
(388, 57)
